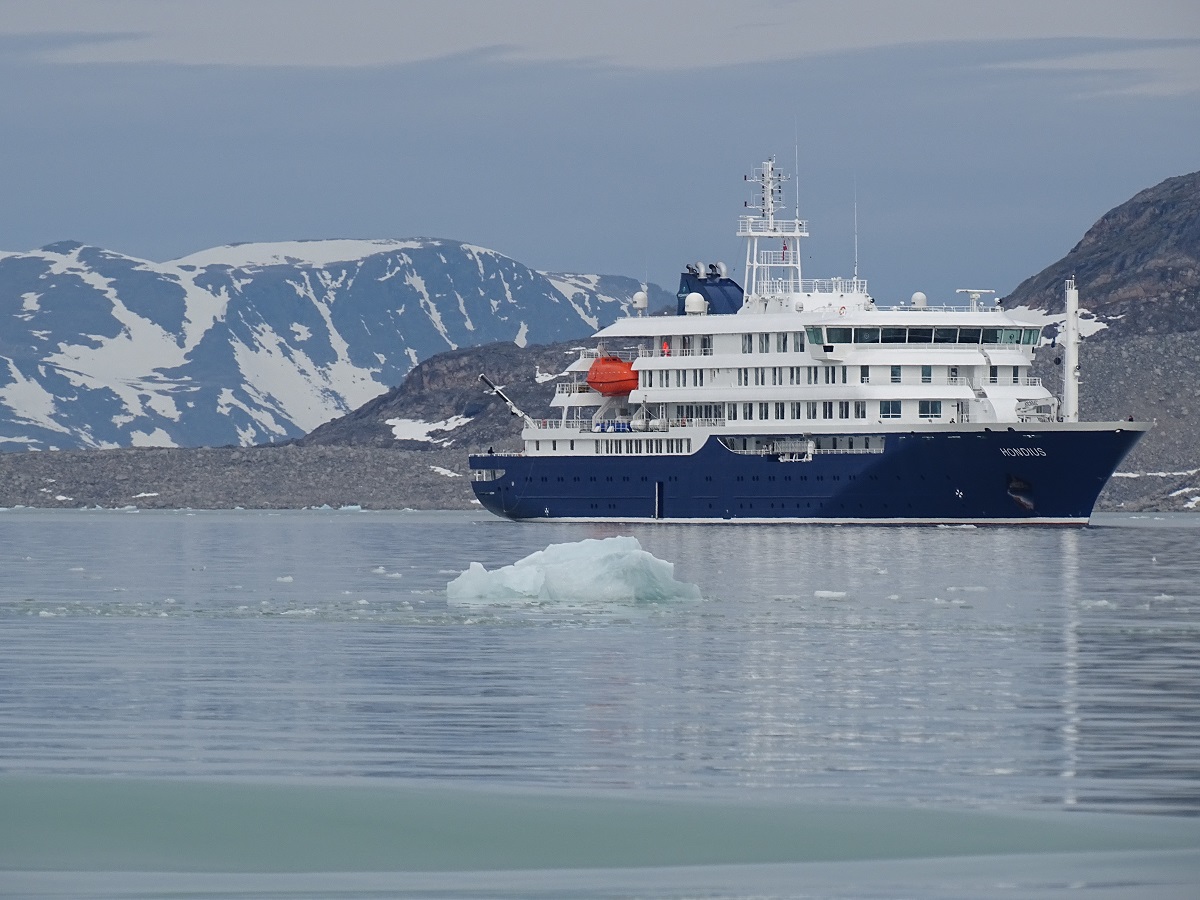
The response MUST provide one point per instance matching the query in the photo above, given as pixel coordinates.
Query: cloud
(629, 34)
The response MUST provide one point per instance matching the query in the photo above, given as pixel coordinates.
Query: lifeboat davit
(611, 375)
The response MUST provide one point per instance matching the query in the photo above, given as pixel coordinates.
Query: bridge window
(839, 335)
(945, 335)
(920, 335)
(866, 335)
(991, 335)
(893, 335)
(969, 335)
(1031, 336)
(814, 335)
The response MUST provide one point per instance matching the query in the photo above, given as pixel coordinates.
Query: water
(284, 704)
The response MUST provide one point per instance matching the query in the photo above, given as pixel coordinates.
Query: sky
(978, 140)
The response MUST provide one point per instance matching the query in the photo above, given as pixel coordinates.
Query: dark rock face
(1138, 271)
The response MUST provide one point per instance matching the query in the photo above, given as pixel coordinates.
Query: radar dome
(694, 304)
(919, 298)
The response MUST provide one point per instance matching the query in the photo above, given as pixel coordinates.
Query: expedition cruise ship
(802, 400)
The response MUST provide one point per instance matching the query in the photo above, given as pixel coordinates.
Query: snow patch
(275, 253)
(522, 337)
(614, 569)
(445, 472)
(416, 430)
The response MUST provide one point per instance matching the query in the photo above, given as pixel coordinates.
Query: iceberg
(614, 569)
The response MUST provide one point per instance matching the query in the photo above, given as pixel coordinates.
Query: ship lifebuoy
(842, 311)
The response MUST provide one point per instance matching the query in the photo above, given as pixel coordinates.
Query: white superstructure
(802, 363)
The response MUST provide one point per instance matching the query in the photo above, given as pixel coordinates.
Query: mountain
(1138, 274)
(255, 343)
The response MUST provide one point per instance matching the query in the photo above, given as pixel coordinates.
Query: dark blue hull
(1048, 475)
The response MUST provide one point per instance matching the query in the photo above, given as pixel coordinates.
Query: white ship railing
(572, 387)
(766, 286)
(757, 226)
(627, 355)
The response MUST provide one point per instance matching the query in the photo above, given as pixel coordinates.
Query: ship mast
(771, 272)
(1070, 404)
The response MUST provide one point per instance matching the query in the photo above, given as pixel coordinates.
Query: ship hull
(1048, 476)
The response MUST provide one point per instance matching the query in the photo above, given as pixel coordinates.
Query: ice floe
(614, 569)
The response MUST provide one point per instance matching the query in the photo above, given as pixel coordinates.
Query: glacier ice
(614, 569)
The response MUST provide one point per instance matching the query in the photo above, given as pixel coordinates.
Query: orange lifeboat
(611, 375)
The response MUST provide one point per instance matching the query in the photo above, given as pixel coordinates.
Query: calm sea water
(284, 704)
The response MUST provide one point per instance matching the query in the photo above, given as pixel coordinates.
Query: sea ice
(613, 569)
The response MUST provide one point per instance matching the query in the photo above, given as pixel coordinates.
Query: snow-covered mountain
(255, 342)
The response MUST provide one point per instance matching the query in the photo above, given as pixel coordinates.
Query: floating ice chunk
(285, 579)
(829, 595)
(613, 569)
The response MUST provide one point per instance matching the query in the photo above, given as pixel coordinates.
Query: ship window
(810, 409)
(732, 411)
(895, 374)
(827, 409)
(929, 409)
(860, 409)
(812, 375)
(781, 342)
(1011, 336)
(866, 335)
(764, 343)
(864, 374)
(537, 445)
(747, 411)
(777, 376)
(926, 374)
(839, 335)
(889, 409)
(843, 409)
(797, 341)
(814, 335)
(1016, 374)
(685, 345)
(743, 376)
(993, 374)
(795, 410)
(1031, 336)
(747, 343)
(945, 335)
(706, 345)
(764, 410)
(779, 408)
(843, 374)
(920, 335)
(968, 335)
(991, 335)
(760, 375)
(830, 375)
(893, 335)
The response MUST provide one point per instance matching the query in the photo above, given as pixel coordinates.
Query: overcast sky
(981, 139)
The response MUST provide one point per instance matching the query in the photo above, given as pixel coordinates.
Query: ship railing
(941, 307)
(696, 423)
(572, 387)
(959, 381)
(801, 451)
(1025, 381)
(773, 286)
(690, 351)
(596, 353)
(757, 226)
(559, 424)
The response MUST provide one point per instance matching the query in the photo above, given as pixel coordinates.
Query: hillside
(1138, 273)
(256, 343)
